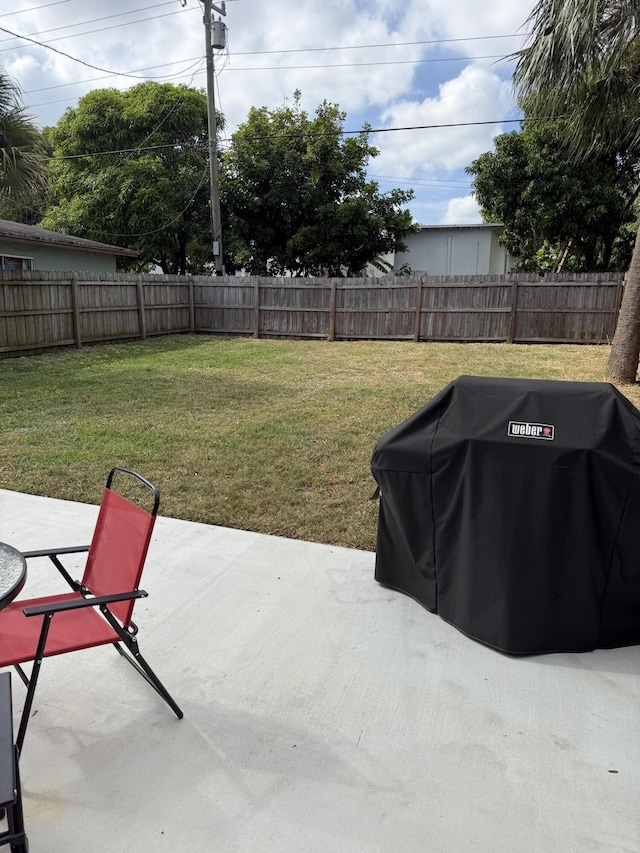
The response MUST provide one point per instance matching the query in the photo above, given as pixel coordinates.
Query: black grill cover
(511, 507)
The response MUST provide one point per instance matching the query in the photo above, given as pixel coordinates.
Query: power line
(368, 64)
(262, 52)
(139, 149)
(97, 20)
(74, 58)
(253, 52)
(194, 60)
(85, 33)
(156, 230)
(228, 67)
(203, 145)
(436, 126)
(163, 119)
(35, 8)
(423, 182)
(231, 68)
(369, 46)
(131, 74)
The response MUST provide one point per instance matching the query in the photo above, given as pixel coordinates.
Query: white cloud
(461, 19)
(475, 95)
(462, 211)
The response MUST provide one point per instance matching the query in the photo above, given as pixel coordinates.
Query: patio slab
(322, 713)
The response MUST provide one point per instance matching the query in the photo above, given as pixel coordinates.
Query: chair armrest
(77, 603)
(53, 554)
(49, 552)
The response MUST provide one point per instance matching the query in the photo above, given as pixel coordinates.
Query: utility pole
(216, 226)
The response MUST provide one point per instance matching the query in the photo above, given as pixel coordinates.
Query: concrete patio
(322, 713)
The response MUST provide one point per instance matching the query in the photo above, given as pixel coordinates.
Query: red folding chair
(99, 609)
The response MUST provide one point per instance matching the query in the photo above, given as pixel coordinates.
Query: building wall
(458, 250)
(58, 259)
(501, 260)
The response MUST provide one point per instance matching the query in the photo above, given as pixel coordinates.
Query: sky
(407, 67)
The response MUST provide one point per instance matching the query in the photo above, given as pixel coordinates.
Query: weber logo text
(522, 429)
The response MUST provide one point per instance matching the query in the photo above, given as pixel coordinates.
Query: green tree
(22, 154)
(583, 62)
(131, 169)
(558, 214)
(296, 199)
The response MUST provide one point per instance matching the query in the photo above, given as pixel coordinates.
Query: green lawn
(272, 436)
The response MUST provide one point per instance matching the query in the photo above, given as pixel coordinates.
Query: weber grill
(511, 508)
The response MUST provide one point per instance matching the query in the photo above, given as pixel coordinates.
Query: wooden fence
(40, 311)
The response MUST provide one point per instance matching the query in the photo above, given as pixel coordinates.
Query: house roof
(32, 234)
(487, 225)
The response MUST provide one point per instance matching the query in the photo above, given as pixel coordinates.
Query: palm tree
(583, 62)
(22, 163)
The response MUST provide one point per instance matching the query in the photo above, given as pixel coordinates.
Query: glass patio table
(13, 573)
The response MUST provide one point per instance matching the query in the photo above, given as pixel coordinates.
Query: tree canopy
(131, 169)
(583, 63)
(558, 214)
(296, 199)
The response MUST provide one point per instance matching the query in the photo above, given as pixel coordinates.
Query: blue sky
(405, 64)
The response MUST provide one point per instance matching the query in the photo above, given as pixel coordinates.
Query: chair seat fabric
(69, 630)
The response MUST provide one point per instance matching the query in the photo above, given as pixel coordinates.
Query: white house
(455, 250)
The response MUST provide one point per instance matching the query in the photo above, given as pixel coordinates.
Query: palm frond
(582, 62)
(22, 155)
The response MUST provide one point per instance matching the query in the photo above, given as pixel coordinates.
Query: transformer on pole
(218, 35)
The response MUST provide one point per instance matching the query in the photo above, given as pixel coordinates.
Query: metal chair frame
(10, 791)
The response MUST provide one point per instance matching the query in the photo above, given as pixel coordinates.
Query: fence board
(38, 310)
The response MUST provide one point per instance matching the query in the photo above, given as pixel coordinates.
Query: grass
(272, 436)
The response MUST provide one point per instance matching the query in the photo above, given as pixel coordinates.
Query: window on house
(11, 262)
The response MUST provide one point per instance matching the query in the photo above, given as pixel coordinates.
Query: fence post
(192, 307)
(512, 319)
(416, 332)
(141, 312)
(76, 309)
(331, 335)
(256, 308)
